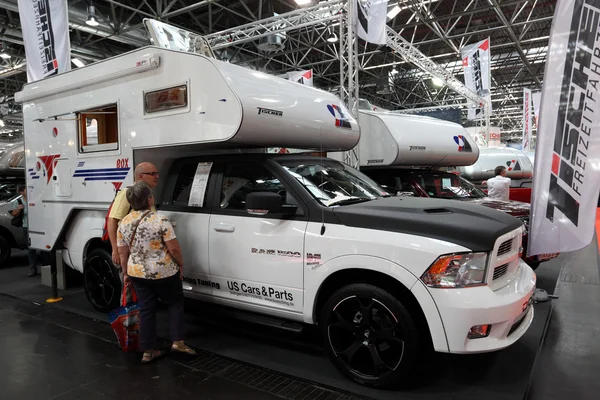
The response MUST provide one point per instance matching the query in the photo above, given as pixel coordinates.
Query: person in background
(21, 206)
(499, 186)
(144, 172)
(151, 258)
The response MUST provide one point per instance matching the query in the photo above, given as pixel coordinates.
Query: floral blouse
(149, 257)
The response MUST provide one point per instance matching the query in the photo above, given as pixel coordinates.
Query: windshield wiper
(348, 200)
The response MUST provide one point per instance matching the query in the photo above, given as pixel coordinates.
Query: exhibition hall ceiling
(518, 31)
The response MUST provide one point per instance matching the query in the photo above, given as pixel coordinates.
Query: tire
(101, 281)
(5, 251)
(379, 348)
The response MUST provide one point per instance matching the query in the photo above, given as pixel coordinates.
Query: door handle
(224, 228)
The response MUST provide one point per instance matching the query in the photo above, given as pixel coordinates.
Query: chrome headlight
(457, 271)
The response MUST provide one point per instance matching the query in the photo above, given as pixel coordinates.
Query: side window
(98, 129)
(192, 182)
(240, 179)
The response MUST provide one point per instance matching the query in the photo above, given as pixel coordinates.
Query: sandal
(182, 348)
(150, 356)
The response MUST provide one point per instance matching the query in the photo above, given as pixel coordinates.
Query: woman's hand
(181, 272)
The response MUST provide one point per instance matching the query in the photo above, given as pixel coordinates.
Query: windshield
(333, 183)
(447, 186)
(8, 192)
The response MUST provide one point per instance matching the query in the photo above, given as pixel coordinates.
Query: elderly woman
(148, 247)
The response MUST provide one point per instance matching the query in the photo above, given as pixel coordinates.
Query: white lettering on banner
(567, 173)
(45, 33)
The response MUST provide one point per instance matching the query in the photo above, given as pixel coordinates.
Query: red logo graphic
(341, 120)
(466, 62)
(117, 185)
(485, 45)
(54, 132)
(513, 165)
(463, 144)
(49, 163)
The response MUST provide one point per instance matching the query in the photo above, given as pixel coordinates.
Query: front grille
(500, 271)
(505, 247)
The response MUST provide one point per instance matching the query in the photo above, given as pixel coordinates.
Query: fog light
(479, 331)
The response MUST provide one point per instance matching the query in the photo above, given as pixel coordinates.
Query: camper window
(165, 99)
(98, 129)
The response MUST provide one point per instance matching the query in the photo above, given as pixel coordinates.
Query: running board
(259, 319)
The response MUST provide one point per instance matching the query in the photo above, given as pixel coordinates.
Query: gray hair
(138, 196)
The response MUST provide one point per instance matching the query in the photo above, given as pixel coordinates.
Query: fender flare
(314, 280)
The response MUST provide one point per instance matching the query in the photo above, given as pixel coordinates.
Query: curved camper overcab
(296, 238)
(519, 168)
(405, 154)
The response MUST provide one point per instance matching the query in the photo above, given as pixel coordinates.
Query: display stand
(53, 274)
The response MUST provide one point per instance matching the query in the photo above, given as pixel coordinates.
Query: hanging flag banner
(566, 181)
(302, 77)
(526, 120)
(370, 18)
(45, 27)
(536, 97)
(476, 64)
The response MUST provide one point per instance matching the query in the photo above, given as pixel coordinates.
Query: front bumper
(508, 310)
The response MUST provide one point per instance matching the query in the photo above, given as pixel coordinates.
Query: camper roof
(390, 139)
(206, 101)
(518, 164)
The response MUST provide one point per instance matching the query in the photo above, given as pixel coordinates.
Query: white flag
(526, 120)
(301, 77)
(536, 97)
(370, 18)
(566, 180)
(476, 64)
(45, 27)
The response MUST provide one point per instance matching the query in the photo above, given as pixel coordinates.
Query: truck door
(187, 205)
(256, 260)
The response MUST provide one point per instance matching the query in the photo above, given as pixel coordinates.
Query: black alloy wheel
(101, 281)
(370, 336)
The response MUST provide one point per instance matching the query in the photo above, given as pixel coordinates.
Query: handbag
(18, 219)
(125, 320)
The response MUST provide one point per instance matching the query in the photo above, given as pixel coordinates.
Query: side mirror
(405, 194)
(263, 203)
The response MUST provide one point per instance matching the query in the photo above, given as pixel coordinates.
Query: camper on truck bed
(303, 239)
(406, 154)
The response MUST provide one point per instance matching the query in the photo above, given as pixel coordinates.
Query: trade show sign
(566, 180)
(476, 64)
(45, 26)
(370, 18)
(526, 120)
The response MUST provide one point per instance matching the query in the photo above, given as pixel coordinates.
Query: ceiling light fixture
(393, 12)
(77, 62)
(437, 81)
(5, 55)
(303, 2)
(91, 19)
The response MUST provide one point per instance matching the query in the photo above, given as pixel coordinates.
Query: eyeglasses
(150, 173)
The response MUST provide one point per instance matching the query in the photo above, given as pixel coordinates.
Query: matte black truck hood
(469, 225)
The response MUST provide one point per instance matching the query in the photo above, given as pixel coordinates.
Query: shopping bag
(125, 320)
